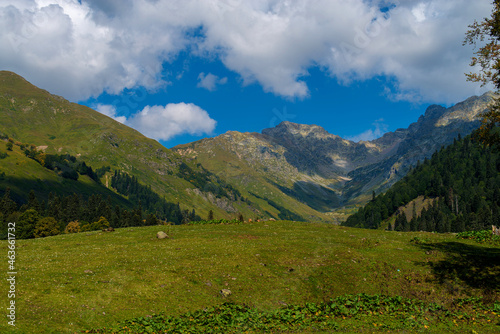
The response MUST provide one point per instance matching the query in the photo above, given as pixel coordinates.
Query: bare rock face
(161, 235)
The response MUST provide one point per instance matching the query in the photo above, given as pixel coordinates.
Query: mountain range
(325, 171)
(292, 170)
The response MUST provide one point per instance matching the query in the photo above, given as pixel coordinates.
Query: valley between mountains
(304, 163)
(291, 171)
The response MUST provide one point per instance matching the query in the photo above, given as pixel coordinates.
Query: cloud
(110, 111)
(80, 49)
(378, 130)
(210, 81)
(165, 122)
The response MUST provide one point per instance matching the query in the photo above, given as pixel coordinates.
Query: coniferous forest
(74, 213)
(463, 181)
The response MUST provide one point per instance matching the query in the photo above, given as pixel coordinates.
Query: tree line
(464, 180)
(36, 217)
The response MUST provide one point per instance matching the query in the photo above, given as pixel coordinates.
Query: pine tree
(33, 202)
(7, 205)
(25, 227)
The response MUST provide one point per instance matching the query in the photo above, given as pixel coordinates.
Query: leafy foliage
(69, 167)
(484, 236)
(72, 214)
(385, 312)
(101, 224)
(46, 227)
(216, 221)
(64, 165)
(72, 227)
(487, 59)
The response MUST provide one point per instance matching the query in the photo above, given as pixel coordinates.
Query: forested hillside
(464, 181)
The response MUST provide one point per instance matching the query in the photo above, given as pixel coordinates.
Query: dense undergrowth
(345, 312)
(484, 236)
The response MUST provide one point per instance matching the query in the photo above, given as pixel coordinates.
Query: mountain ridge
(293, 155)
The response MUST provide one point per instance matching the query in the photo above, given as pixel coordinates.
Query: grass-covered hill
(32, 116)
(457, 189)
(281, 275)
(253, 166)
(22, 174)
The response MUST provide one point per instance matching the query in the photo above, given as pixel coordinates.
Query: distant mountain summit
(325, 171)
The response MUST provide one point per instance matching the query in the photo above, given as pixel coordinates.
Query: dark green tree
(25, 227)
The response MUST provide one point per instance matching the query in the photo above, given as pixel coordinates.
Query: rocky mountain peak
(467, 110)
(289, 129)
(434, 111)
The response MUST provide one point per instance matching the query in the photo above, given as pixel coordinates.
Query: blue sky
(182, 71)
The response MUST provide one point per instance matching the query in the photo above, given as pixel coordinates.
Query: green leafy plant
(484, 236)
(346, 311)
(216, 221)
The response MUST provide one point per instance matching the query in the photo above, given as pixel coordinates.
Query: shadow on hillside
(476, 266)
(20, 188)
(314, 195)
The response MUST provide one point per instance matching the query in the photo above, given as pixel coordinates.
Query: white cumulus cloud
(165, 122)
(82, 48)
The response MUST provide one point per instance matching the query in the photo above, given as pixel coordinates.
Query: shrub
(73, 227)
(101, 224)
(46, 227)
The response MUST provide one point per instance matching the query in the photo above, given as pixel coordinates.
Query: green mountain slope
(22, 174)
(259, 170)
(463, 181)
(34, 116)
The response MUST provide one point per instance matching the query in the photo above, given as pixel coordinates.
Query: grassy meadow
(75, 283)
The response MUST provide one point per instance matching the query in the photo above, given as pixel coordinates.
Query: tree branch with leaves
(487, 58)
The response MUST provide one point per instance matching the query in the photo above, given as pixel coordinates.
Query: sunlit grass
(70, 283)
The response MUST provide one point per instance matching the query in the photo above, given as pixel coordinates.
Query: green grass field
(78, 282)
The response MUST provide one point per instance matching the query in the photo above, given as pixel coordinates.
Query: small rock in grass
(161, 235)
(225, 293)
